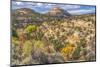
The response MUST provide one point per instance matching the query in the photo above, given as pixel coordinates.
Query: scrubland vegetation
(52, 39)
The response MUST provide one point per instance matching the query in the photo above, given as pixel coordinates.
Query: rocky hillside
(58, 12)
(26, 13)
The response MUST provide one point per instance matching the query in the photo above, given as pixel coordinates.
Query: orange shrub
(67, 50)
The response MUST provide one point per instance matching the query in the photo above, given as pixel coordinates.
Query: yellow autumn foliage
(66, 51)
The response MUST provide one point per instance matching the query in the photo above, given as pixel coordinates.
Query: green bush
(38, 45)
(14, 33)
(31, 28)
(76, 53)
(27, 48)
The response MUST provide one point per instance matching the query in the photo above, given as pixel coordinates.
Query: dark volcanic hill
(58, 12)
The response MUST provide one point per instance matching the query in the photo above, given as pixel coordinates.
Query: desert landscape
(56, 36)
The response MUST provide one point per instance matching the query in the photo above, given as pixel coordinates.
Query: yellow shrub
(66, 51)
(15, 41)
(27, 48)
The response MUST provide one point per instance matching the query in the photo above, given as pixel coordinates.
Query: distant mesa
(57, 11)
(24, 11)
(24, 14)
